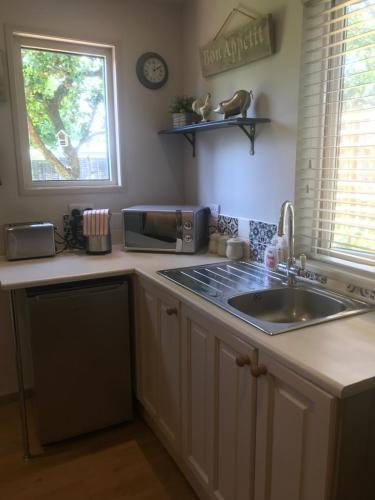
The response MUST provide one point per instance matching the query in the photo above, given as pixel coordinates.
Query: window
(335, 182)
(64, 103)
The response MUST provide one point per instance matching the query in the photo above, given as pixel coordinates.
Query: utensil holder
(99, 245)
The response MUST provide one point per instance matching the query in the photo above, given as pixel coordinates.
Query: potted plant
(182, 112)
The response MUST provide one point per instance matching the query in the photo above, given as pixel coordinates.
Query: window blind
(335, 178)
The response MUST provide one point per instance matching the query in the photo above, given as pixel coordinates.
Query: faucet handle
(302, 261)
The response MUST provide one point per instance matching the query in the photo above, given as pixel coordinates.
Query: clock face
(152, 70)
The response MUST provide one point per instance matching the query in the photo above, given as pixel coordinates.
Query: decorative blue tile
(228, 225)
(260, 235)
(313, 276)
(365, 293)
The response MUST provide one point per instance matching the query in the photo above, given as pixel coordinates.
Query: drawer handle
(259, 370)
(171, 311)
(244, 360)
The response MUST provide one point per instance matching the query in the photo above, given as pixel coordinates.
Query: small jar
(214, 242)
(222, 245)
(234, 249)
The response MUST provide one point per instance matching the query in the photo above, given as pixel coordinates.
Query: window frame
(356, 264)
(18, 38)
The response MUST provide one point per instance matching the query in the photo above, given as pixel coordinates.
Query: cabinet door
(295, 439)
(148, 347)
(234, 419)
(218, 408)
(197, 396)
(159, 358)
(169, 369)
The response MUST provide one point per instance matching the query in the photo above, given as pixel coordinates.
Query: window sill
(56, 190)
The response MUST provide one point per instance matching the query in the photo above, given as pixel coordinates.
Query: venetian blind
(335, 180)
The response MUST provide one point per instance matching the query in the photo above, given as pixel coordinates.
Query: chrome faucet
(290, 267)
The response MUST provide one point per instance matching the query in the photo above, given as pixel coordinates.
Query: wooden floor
(126, 462)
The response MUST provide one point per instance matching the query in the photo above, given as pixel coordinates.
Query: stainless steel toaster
(29, 240)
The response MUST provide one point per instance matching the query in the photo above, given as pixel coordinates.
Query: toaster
(29, 240)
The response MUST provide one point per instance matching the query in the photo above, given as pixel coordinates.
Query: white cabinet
(295, 434)
(244, 427)
(197, 399)
(148, 341)
(158, 359)
(218, 408)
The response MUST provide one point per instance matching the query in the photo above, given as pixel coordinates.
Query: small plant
(181, 104)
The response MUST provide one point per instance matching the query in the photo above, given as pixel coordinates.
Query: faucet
(290, 267)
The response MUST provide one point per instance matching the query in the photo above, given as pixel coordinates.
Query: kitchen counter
(337, 356)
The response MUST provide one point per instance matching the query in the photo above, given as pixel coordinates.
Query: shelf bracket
(250, 134)
(190, 137)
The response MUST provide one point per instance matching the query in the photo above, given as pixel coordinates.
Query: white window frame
(21, 38)
(330, 265)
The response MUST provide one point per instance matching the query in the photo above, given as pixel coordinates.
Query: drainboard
(260, 298)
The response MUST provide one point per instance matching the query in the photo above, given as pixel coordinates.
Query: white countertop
(338, 356)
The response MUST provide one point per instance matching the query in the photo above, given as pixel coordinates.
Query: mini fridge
(80, 356)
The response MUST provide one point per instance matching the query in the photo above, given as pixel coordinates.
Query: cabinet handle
(243, 360)
(171, 311)
(259, 370)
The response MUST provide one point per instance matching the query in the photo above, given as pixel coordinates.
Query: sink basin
(287, 305)
(261, 298)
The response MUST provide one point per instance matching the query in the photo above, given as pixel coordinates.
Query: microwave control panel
(188, 232)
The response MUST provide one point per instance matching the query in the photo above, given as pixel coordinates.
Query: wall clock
(152, 70)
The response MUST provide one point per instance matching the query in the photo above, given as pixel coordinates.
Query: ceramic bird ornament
(236, 105)
(203, 109)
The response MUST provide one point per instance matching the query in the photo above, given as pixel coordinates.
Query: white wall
(223, 172)
(152, 169)
(152, 172)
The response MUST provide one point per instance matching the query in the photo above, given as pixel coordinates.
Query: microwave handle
(179, 235)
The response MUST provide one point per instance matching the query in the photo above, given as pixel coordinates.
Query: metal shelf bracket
(190, 137)
(250, 134)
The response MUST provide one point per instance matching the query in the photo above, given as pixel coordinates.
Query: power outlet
(214, 209)
(79, 206)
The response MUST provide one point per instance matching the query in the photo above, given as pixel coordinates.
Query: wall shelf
(247, 125)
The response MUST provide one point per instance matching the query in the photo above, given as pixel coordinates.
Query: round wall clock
(152, 70)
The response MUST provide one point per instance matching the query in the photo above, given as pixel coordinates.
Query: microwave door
(151, 231)
(179, 231)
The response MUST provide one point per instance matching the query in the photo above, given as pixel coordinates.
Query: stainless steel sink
(287, 305)
(261, 298)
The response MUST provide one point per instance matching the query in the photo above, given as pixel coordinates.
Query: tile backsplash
(361, 293)
(259, 234)
(228, 225)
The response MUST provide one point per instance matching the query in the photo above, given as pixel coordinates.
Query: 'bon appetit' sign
(248, 43)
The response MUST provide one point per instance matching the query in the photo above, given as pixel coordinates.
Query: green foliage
(182, 104)
(62, 91)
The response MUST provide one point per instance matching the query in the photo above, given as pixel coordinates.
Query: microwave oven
(165, 228)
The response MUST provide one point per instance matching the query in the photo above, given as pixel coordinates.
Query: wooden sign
(248, 43)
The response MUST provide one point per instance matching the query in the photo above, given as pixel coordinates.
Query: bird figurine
(236, 105)
(201, 108)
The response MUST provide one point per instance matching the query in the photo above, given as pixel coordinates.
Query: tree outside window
(65, 107)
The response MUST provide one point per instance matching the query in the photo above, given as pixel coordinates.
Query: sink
(287, 305)
(262, 299)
